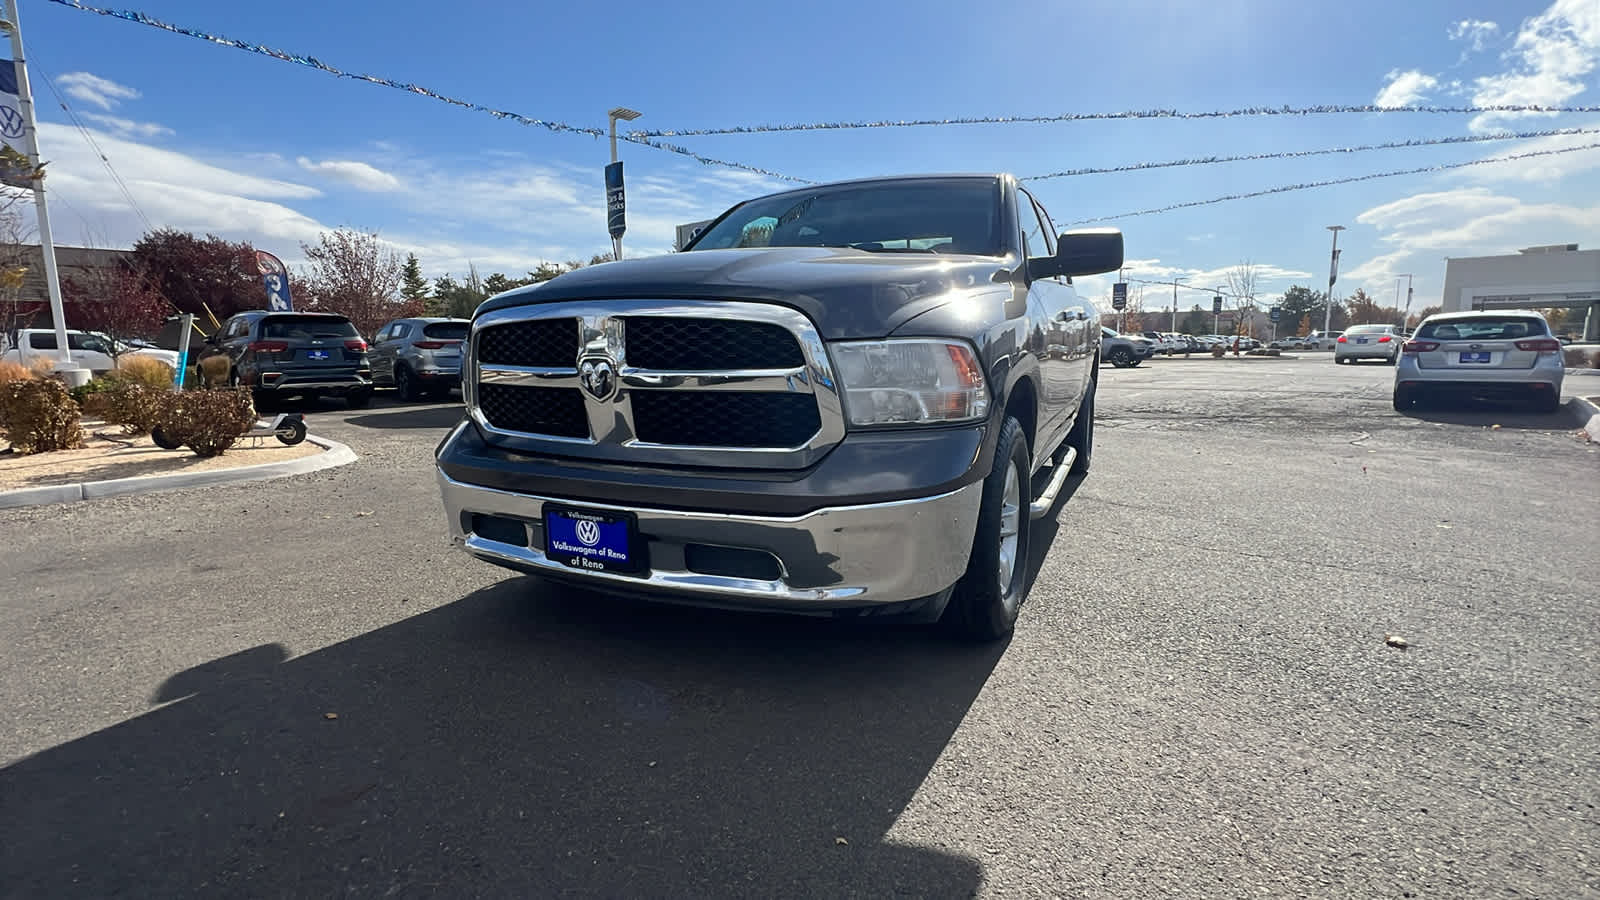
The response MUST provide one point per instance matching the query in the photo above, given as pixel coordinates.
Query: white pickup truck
(89, 350)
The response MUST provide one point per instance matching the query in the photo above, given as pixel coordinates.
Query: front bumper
(842, 557)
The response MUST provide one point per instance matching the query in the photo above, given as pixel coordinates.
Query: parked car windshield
(941, 216)
(1483, 328)
(306, 327)
(445, 331)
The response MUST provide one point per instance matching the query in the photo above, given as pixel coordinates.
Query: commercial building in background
(1558, 276)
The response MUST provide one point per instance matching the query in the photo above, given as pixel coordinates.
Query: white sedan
(1509, 353)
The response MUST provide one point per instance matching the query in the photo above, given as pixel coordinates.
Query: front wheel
(985, 602)
(1122, 358)
(291, 431)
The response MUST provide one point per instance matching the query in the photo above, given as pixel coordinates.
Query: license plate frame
(1475, 357)
(318, 355)
(1361, 340)
(566, 542)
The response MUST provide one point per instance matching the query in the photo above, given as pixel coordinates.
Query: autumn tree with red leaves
(354, 273)
(118, 302)
(197, 274)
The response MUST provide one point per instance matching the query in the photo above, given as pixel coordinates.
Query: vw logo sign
(599, 378)
(11, 124)
(588, 533)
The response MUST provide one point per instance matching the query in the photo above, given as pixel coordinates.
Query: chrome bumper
(834, 558)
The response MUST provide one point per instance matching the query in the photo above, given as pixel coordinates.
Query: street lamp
(1405, 317)
(626, 115)
(1175, 281)
(1333, 275)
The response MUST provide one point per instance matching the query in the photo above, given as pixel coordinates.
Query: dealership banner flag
(13, 128)
(276, 278)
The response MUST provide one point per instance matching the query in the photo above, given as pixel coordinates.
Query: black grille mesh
(535, 410)
(664, 342)
(541, 342)
(725, 418)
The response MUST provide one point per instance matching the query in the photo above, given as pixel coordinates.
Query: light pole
(1333, 275)
(73, 374)
(1216, 312)
(626, 115)
(1405, 317)
(1175, 301)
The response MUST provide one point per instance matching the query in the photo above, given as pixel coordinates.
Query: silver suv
(419, 356)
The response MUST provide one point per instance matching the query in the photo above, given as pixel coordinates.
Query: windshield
(307, 327)
(944, 216)
(1490, 328)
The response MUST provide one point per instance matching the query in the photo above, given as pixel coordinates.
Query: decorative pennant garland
(1284, 189)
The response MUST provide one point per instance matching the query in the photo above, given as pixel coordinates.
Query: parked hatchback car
(1368, 342)
(283, 354)
(1505, 354)
(419, 357)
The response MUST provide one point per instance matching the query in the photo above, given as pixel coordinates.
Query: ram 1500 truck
(847, 399)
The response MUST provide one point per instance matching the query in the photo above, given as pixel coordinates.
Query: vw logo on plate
(588, 533)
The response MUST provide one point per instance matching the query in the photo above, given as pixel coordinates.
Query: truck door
(1064, 328)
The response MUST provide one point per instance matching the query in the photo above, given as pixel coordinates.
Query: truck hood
(847, 293)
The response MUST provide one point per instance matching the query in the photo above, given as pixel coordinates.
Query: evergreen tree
(414, 288)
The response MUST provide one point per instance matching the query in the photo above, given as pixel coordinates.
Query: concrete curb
(333, 454)
(1587, 412)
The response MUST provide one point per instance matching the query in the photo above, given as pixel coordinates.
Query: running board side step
(1039, 508)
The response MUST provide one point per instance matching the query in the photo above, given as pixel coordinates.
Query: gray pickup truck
(850, 399)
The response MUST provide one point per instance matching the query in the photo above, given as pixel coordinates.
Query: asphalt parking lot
(296, 688)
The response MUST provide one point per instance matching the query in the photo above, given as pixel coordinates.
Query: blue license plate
(592, 540)
(1361, 340)
(1481, 356)
(316, 354)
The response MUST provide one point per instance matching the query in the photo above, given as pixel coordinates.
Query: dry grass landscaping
(108, 454)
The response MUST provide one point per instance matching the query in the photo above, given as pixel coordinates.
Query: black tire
(979, 609)
(1122, 358)
(161, 439)
(405, 384)
(1405, 399)
(264, 402)
(1081, 437)
(1547, 402)
(360, 398)
(291, 431)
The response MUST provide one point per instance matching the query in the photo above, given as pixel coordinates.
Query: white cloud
(94, 90)
(358, 175)
(128, 127)
(1477, 33)
(1421, 230)
(67, 151)
(1551, 56)
(1405, 88)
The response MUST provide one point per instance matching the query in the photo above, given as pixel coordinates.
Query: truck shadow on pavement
(440, 418)
(526, 740)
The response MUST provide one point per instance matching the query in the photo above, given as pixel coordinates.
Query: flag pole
(72, 374)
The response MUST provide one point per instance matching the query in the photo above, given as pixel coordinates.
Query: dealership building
(1555, 276)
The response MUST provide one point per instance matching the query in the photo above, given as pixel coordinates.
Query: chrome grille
(718, 383)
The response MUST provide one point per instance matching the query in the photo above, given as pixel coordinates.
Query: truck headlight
(910, 381)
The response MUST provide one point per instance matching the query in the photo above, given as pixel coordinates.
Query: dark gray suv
(283, 354)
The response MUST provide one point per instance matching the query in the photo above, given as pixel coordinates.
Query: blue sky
(211, 138)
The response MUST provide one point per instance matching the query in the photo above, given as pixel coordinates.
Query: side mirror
(1087, 251)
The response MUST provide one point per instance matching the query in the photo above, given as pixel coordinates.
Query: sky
(213, 139)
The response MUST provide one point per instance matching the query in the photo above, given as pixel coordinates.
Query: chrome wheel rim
(1010, 528)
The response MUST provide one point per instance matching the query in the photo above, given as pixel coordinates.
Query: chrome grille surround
(613, 433)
